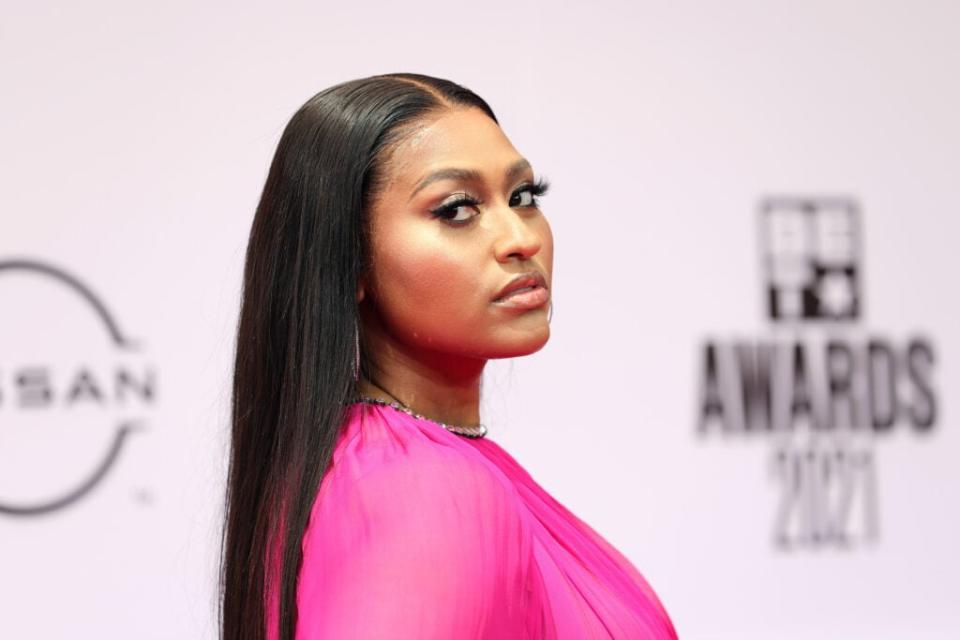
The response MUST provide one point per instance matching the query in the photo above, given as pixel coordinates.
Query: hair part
(295, 342)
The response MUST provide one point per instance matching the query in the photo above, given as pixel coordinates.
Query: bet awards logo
(821, 390)
(74, 389)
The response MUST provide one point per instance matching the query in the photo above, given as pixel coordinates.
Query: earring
(550, 312)
(356, 365)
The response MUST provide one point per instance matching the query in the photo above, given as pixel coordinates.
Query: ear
(361, 290)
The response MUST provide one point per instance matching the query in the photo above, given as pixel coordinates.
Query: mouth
(526, 290)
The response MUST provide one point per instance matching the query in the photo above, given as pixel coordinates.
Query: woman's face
(436, 273)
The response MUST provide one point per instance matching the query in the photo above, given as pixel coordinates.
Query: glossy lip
(527, 279)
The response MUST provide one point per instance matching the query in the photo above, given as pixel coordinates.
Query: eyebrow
(513, 171)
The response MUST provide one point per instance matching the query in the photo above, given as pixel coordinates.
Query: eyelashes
(448, 211)
(539, 188)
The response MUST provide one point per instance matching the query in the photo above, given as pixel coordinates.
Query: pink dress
(422, 533)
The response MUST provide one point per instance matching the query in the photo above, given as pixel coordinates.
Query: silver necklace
(474, 431)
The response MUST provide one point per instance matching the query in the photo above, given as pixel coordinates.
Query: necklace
(473, 431)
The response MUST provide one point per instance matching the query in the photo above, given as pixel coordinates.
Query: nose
(517, 236)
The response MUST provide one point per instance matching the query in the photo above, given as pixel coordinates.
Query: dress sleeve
(423, 545)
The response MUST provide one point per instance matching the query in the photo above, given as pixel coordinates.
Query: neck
(436, 385)
(443, 403)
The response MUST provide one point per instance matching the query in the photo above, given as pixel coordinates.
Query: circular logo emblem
(74, 388)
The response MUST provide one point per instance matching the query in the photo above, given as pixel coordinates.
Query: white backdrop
(135, 142)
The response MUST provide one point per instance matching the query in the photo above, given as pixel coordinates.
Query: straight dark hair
(295, 348)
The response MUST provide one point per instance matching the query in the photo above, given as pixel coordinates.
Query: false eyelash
(539, 188)
(450, 207)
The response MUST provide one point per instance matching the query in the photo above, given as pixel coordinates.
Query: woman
(399, 245)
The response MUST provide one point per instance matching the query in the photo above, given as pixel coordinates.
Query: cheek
(427, 283)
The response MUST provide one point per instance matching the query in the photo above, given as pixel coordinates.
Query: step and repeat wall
(755, 340)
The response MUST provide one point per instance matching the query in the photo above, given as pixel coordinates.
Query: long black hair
(295, 349)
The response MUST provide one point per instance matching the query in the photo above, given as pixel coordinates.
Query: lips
(527, 280)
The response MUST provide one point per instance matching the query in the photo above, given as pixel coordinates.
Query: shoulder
(414, 534)
(386, 452)
(392, 467)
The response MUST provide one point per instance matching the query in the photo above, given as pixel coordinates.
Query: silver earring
(356, 365)
(550, 312)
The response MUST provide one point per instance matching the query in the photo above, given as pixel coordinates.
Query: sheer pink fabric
(420, 533)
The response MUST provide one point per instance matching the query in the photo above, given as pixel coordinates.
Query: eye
(449, 211)
(531, 193)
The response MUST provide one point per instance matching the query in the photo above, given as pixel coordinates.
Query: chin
(521, 343)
